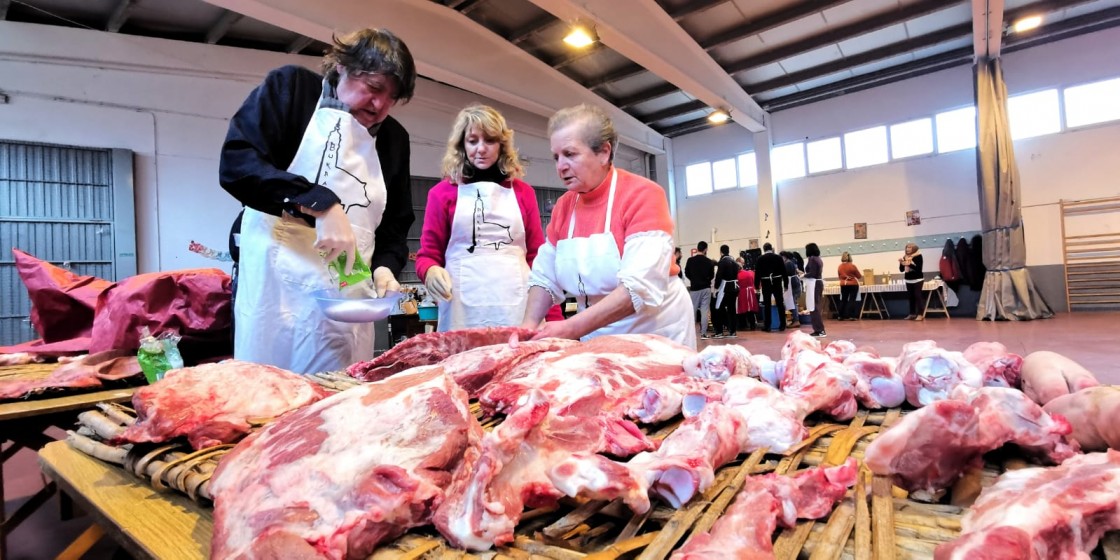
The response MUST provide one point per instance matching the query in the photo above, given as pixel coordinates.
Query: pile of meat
(84, 372)
(352, 471)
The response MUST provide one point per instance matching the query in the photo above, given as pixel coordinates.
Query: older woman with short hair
(609, 244)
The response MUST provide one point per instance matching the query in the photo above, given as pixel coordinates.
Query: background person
(814, 288)
(911, 266)
(482, 227)
(700, 271)
(850, 277)
(747, 305)
(322, 169)
(770, 275)
(609, 244)
(727, 293)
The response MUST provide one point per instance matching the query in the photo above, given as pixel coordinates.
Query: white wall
(170, 102)
(734, 213)
(1074, 164)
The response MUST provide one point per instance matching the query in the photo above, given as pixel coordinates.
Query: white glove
(384, 281)
(438, 283)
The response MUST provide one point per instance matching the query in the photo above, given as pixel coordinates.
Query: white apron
(808, 287)
(486, 259)
(278, 322)
(587, 268)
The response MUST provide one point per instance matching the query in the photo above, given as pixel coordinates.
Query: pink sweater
(440, 213)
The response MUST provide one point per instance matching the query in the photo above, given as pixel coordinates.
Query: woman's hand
(334, 235)
(556, 329)
(384, 281)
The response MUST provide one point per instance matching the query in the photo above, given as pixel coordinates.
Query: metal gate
(1091, 252)
(67, 205)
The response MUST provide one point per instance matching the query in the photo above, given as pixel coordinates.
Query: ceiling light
(1027, 23)
(581, 35)
(719, 116)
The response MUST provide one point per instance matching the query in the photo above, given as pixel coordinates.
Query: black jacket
(700, 270)
(772, 266)
(727, 269)
(261, 143)
(915, 270)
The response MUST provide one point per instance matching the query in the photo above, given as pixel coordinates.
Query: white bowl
(355, 307)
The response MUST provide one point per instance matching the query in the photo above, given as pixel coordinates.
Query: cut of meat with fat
(822, 384)
(1000, 367)
(338, 478)
(880, 386)
(1094, 413)
(932, 447)
(212, 404)
(1038, 513)
(475, 369)
(718, 363)
(930, 373)
(1049, 375)
(87, 372)
(432, 348)
(746, 529)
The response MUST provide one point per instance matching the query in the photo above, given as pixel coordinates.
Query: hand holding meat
(1094, 414)
(333, 234)
(1049, 375)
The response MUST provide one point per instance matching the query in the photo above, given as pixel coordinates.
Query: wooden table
(149, 524)
(873, 304)
(24, 424)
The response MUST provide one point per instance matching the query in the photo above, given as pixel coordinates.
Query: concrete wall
(1073, 164)
(170, 102)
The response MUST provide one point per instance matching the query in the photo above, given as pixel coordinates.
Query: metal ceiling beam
(987, 28)
(674, 111)
(578, 56)
(470, 6)
(770, 21)
(686, 127)
(300, 43)
(643, 96)
(221, 27)
(842, 33)
(628, 71)
(530, 30)
(888, 51)
(119, 15)
(694, 7)
(643, 32)
(4, 4)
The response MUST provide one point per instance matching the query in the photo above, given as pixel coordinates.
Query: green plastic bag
(338, 266)
(159, 355)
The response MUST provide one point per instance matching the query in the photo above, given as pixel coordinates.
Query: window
(698, 178)
(723, 175)
(1034, 114)
(1093, 103)
(912, 138)
(956, 130)
(748, 170)
(866, 147)
(824, 155)
(788, 162)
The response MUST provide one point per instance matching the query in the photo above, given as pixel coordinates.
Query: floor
(1086, 337)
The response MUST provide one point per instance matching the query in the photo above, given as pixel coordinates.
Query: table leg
(82, 544)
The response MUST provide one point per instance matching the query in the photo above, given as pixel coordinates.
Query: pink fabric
(440, 213)
(62, 303)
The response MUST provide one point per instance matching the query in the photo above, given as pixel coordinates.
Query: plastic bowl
(339, 306)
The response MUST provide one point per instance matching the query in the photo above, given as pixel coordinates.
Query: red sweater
(639, 205)
(440, 212)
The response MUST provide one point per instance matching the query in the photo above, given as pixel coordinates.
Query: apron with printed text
(278, 321)
(587, 268)
(486, 260)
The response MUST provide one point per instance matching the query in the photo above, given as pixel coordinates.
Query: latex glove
(438, 283)
(333, 235)
(384, 281)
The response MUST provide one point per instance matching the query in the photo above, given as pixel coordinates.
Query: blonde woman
(911, 266)
(482, 227)
(849, 287)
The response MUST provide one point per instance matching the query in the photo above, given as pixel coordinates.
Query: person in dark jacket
(911, 266)
(792, 270)
(727, 293)
(700, 271)
(771, 278)
(814, 267)
(323, 173)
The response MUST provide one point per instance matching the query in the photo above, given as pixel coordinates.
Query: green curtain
(1008, 291)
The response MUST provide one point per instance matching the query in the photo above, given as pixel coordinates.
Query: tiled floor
(1089, 338)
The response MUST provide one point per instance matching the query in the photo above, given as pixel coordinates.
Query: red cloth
(440, 212)
(62, 303)
(748, 297)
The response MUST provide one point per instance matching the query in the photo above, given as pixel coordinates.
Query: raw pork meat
(797, 342)
(1032, 514)
(212, 404)
(930, 448)
(431, 348)
(822, 384)
(746, 529)
(20, 358)
(768, 370)
(839, 350)
(879, 384)
(1000, 367)
(930, 373)
(1049, 375)
(339, 477)
(1094, 414)
(475, 369)
(86, 373)
(721, 362)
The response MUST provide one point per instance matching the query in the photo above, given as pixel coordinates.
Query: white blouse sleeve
(544, 272)
(644, 270)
